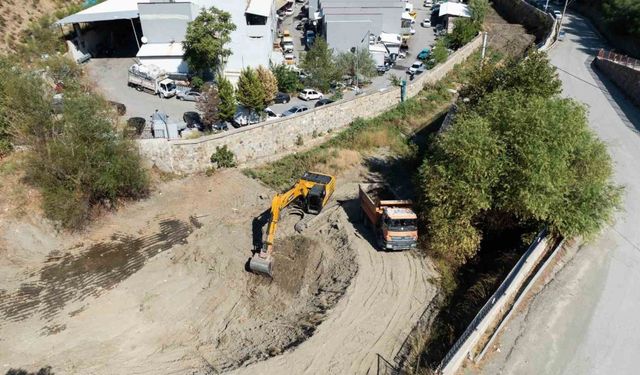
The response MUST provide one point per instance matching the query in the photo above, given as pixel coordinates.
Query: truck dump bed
(375, 197)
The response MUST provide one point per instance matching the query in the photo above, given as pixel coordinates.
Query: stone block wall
(625, 77)
(264, 140)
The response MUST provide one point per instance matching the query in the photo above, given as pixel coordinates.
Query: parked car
(310, 94)
(428, 3)
(322, 102)
(289, 58)
(270, 114)
(190, 96)
(282, 97)
(412, 31)
(193, 120)
(425, 23)
(295, 109)
(424, 54)
(557, 14)
(416, 68)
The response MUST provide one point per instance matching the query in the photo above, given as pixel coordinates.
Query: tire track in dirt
(375, 315)
(70, 278)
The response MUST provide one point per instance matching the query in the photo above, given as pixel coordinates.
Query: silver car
(190, 96)
(295, 109)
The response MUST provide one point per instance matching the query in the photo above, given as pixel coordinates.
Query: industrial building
(451, 11)
(153, 31)
(352, 23)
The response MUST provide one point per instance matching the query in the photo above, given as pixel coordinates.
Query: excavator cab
(313, 190)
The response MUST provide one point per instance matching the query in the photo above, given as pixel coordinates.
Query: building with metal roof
(153, 31)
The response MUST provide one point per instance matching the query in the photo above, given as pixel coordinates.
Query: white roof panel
(260, 7)
(106, 11)
(161, 50)
(454, 9)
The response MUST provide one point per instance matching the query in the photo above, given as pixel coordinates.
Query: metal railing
(499, 293)
(619, 59)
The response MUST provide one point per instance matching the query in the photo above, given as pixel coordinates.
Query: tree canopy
(206, 39)
(318, 62)
(250, 92)
(227, 107)
(516, 154)
(359, 62)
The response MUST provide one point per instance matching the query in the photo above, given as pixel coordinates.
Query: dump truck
(311, 192)
(152, 79)
(392, 220)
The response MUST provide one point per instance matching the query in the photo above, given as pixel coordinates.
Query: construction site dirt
(160, 287)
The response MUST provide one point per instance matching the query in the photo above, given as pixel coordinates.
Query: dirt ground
(160, 287)
(508, 38)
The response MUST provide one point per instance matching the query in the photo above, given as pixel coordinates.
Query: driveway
(585, 321)
(110, 77)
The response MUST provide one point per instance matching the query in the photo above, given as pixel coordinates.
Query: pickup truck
(392, 220)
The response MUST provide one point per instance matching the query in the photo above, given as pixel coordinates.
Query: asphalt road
(586, 320)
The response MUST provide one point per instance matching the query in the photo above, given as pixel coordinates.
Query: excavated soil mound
(311, 273)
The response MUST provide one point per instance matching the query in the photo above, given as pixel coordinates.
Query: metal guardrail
(499, 293)
(619, 59)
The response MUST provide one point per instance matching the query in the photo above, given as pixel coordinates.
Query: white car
(425, 23)
(557, 14)
(412, 31)
(310, 94)
(428, 3)
(416, 67)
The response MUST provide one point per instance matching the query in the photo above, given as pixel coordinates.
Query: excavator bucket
(261, 265)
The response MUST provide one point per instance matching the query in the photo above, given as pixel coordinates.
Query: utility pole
(546, 6)
(566, 3)
(484, 47)
(357, 55)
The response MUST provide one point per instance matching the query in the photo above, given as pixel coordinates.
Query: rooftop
(454, 9)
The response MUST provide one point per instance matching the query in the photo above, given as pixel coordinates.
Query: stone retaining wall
(264, 140)
(625, 77)
(533, 19)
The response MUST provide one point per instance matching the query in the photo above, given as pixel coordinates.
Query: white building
(153, 31)
(451, 11)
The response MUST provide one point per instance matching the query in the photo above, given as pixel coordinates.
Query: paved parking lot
(110, 76)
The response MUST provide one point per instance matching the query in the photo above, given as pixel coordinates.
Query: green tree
(269, 83)
(206, 38)
(360, 62)
(527, 159)
(464, 30)
(533, 75)
(439, 53)
(478, 10)
(227, 96)
(250, 92)
(623, 16)
(319, 63)
(288, 79)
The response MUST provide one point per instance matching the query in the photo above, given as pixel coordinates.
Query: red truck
(392, 220)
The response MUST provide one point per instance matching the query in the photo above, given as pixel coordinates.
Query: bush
(76, 158)
(223, 157)
(196, 83)
(288, 80)
(137, 123)
(299, 140)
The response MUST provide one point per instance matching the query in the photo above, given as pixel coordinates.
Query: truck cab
(399, 229)
(166, 88)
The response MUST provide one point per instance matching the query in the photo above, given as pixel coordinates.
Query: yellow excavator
(313, 190)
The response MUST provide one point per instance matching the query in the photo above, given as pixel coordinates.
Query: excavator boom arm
(278, 203)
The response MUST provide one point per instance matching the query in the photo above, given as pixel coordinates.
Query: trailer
(393, 221)
(152, 79)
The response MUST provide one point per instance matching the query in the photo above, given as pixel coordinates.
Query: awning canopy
(454, 9)
(161, 50)
(260, 7)
(108, 10)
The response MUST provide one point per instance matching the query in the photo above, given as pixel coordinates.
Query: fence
(627, 61)
(386, 368)
(470, 337)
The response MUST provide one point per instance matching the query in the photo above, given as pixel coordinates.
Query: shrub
(288, 80)
(223, 157)
(196, 83)
(76, 159)
(299, 140)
